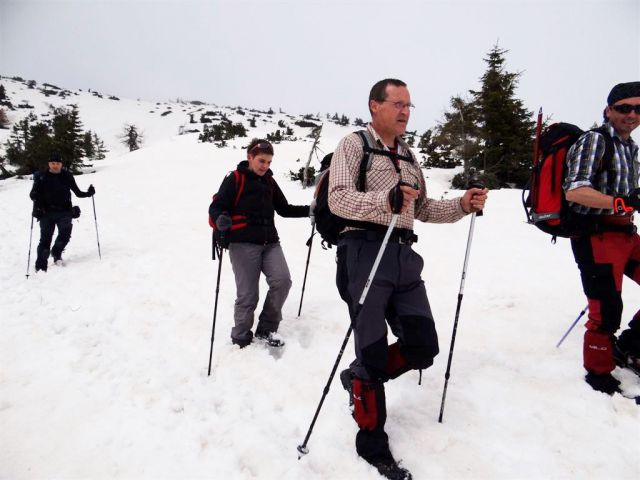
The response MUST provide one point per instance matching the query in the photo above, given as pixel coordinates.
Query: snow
(103, 362)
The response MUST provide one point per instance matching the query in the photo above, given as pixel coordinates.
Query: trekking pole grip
(476, 182)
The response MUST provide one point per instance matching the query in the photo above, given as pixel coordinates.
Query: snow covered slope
(103, 363)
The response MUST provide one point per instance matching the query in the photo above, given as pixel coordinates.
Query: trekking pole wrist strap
(620, 206)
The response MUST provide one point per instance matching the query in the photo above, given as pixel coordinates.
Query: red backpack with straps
(236, 219)
(546, 206)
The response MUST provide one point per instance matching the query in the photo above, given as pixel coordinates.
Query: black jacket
(257, 201)
(51, 192)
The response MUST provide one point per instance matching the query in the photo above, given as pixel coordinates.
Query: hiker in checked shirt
(604, 193)
(397, 296)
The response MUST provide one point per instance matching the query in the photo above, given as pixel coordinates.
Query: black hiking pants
(48, 224)
(397, 298)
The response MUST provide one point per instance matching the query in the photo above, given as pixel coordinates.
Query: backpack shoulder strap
(239, 178)
(368, 147)
(609, 148)
(367, 150)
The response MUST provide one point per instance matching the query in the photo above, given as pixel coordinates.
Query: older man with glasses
(604, 194)
(395, 191)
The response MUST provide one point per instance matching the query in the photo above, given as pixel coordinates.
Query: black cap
(55, 157)
(622, 91)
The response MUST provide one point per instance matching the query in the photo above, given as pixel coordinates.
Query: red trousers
(603, 260)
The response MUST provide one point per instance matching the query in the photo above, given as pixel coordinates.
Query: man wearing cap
(606, 195)
(51, 195)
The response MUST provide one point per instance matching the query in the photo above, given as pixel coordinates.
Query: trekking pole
(584, 310)
(220, 250)
(29, 256)
(306, 268)
(460, 294)
(302, 449)
(95, 218)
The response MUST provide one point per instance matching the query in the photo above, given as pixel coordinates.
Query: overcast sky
(308, 56)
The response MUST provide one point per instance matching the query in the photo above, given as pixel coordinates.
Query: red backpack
(239, 182)
(546, 206)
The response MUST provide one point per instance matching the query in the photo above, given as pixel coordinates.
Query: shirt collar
(613, 133)
(401, 143)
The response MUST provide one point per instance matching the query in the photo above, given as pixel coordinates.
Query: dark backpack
(327, 223)
(546, 206)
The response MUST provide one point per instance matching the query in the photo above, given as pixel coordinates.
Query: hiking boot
(624, 358)
(604, 383)
(240, 342)
(347, 384)
(272, 339)
(389, 468)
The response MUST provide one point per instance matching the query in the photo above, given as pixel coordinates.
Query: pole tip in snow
(302, 450)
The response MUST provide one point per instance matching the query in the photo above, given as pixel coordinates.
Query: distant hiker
(394, 184)
(51, 195)
(605, 198)
(242, 214)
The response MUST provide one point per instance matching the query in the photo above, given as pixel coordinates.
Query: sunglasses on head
(625, 108)
(262, 147)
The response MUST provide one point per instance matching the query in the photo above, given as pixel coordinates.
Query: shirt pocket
(380, 164)
(411, 176)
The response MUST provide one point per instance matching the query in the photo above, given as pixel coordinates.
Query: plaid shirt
(583, 161)
(373, 205)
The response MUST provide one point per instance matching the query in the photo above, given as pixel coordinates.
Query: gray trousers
(248, 260)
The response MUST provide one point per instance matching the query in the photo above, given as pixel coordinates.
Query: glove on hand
(627, 203)
(223, 222)
(38, 212)
(91, 191)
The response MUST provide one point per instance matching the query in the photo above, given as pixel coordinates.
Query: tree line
(32, 140)
(488, 130)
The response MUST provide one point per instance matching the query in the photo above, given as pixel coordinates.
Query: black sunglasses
(625, 108)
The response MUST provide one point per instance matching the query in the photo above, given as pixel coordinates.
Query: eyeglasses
(262, 147)
(400, 105)
(626, 108)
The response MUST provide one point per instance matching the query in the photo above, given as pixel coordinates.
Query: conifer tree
(29, 145)
(131, 137)
(88, 145)
(4, 120)
(15, 146)
(68, 137)
(505, 127)
(99, 147)
(38, 148)
(491, 131)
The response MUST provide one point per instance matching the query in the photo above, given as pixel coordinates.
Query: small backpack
(327, 223)
(546, 206)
